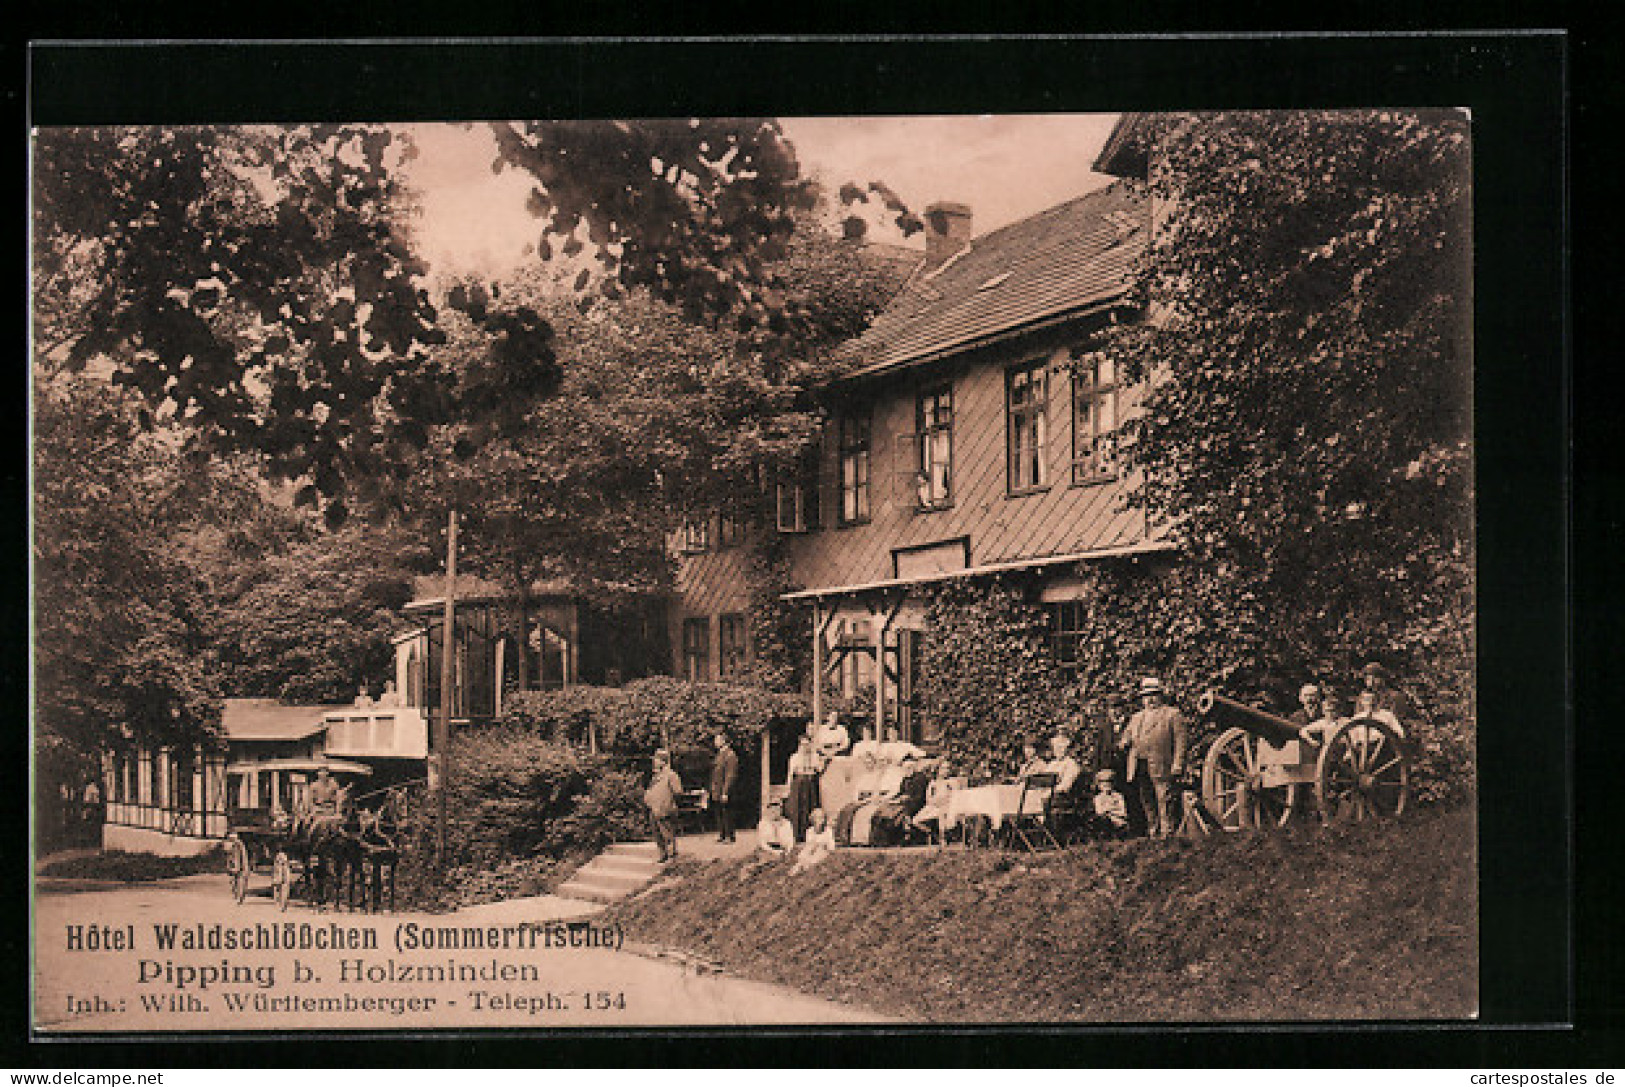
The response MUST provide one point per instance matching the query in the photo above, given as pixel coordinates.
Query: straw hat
(1150, 685)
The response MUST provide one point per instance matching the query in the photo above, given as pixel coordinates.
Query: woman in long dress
(803, 796)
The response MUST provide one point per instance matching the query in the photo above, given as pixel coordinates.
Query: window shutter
(905, 471)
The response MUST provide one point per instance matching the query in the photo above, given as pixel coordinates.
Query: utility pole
(447, 676)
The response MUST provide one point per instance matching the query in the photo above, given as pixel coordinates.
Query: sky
(1005, 167)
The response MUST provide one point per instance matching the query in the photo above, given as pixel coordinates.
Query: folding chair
(1031, 829)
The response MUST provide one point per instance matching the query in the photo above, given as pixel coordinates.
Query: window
(797, 505)
(697, 649)
(695, 536)
(1094, 420)
(1026, 401)
(731, 532)
(731, 651)
(935, 419)
(854, 469)
(1066, 633)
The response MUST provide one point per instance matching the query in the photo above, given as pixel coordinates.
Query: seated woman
(776, 835)
(929, 818)
(820, 842)
(832, 739)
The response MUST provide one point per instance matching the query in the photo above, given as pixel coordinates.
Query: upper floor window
(697, 649)
(797, 505)
(1094, 419)
(731, 645)
(1027, 434)
(694, 536)
(854, 453)
(934, 417)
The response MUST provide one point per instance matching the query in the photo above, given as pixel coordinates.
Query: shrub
(648, 713)
(521, 810)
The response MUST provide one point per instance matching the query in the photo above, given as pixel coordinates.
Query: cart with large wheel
(267, 840)
(1262, 770)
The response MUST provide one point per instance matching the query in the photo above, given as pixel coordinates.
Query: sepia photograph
(883, 570)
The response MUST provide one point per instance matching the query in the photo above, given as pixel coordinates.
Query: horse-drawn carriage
(1262, 770)
(346, 859)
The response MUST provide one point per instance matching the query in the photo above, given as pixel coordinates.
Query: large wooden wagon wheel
(239, 867)
(1363, 773)
(281, 879)
(1233, 785)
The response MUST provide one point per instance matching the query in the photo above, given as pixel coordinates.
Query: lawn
(1373, 921)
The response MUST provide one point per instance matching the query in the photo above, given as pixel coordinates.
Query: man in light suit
(1155, 741)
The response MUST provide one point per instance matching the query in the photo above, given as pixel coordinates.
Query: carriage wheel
(237, 864)
(1363, 773)
(281, 879)
(1233, 785)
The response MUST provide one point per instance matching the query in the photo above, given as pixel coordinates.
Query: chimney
(947, 231)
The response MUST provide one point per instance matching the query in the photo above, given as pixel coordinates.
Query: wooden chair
(1031, 829)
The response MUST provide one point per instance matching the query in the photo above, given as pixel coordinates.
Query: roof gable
(268, 719)
(1072, 257)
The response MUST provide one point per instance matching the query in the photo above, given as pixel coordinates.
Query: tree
(316, 620)
(260, 285)
(1307, 432)
(120, 629)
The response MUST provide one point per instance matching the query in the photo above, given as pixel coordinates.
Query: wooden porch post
(767, 768)
(818, 663)
(878, 621)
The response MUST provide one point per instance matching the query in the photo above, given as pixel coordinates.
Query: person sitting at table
(1031, 762)
(832, 739)
(929, 817)
(390, 697)
(820, 841)
(1061, 762)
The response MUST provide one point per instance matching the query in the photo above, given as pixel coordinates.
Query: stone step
(634, 849)
(626, 862)
(592, 891)
(610, 878)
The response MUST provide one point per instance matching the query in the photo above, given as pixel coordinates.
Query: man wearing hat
(1154, 741)
(661, 797)
(1384, 697)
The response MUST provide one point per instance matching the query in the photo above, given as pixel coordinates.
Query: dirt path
(390, 980)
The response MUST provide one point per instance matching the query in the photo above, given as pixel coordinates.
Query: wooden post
(818, 664)
(878, 621)
(767, 768)
(447, 672)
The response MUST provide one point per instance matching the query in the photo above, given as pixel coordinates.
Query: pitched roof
(268, 719)
(1070, 258)
(430, 589)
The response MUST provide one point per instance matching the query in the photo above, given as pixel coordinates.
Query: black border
(1515, 85)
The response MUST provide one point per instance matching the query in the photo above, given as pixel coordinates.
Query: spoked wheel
(237, 866)
(282, 880)
(1233, 785)
(1363, 773)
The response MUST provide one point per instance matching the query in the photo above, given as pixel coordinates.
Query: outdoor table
(996, 802)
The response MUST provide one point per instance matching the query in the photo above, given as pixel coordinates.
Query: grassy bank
(133, 867)
(1370, 921)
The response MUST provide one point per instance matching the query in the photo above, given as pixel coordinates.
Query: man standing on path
(1155, 740)
(724, 772)
(661, 797)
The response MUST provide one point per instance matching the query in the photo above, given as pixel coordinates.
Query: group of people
(1149, 750)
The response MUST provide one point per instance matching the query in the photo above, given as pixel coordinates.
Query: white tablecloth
(996, 802)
